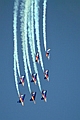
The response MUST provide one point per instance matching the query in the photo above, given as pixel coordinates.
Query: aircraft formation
(29, 28)
(34, 79)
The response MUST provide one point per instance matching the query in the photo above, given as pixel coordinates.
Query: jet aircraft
(21, 99)
(33, 95)
(46, 75)
(34, 78)
(37, 57)
(48, 54)
(44, 92)
(22, 80)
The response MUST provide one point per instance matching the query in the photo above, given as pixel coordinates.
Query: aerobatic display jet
(21, 99)
(46, 75)
(37, 57)
(34, 78)
(44, 92)
(22, 80)
(48, 54)
(33, 95)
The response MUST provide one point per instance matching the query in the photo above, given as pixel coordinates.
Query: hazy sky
(63, 37)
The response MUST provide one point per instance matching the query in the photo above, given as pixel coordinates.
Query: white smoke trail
(15, 77)
(32, 26)
(18, 69)
(22, 38)
(26, 40)
(32, 43)
(16, 4)
(44, 23)
(15, 43)
(36, 18)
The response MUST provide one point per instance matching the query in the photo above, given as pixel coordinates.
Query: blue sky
(63, 37)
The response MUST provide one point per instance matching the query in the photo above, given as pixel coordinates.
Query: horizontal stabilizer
(20, 82)
(31, 99)
(42, 98)
(32, 81)
(35, 60)
(19, 101)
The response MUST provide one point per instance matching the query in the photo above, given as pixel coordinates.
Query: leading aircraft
(34, 78)
(33, 95)
(44, 92)
(46, 75)
(48, 54)
(22, 80)
(37, 57)
(21, 99)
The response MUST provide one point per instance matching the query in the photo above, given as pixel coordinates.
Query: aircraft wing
(18, 101)
(47, 71)
(20, 82)
(23, 97)
(23, 77)
(37, 54)
(35, 76)
(34, 95)
(48, 50)
(44, 92)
